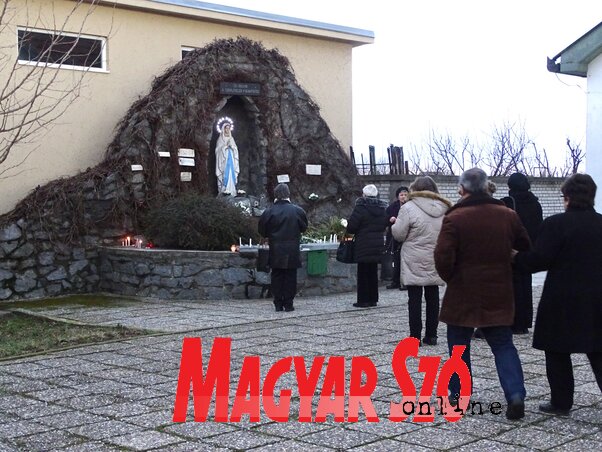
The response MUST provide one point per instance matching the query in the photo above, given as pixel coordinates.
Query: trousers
(284, 286)
(367, 283)
(559, 370)
(431, 294)
(507, 362)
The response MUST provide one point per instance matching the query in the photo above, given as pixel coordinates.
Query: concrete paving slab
(120, 396)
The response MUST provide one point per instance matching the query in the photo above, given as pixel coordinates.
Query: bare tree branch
(510, 149)
(507, 154)
(33, 95)
(574, 158)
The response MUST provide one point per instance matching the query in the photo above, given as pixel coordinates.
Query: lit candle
(127, 241)
(233, 248)
(250, 242)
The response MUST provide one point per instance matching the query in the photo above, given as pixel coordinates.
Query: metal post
(372, 153)
(402, 162)
(391, 155)
(396, 161)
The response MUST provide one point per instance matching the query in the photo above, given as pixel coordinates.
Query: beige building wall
(142, 44)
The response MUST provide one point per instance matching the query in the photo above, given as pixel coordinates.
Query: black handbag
(346, 252)
(386, 265)
(263, 260)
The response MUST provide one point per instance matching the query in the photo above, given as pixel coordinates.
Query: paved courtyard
(120, 395)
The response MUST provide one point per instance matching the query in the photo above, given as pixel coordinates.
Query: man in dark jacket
(392, 245)
(283, 224)
(473, 256)
(569, 316)
(368, 221)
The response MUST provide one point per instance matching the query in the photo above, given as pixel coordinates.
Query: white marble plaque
(186, 162)
(283, 178)
(185, 177)
(183, 152)
(136, 167)
(164, 153)
(313, 170)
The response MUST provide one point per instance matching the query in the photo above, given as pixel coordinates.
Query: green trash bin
(317, 262)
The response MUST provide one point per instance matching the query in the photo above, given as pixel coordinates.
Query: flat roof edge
(247, 13)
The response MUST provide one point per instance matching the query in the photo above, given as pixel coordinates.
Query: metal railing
(396, 163)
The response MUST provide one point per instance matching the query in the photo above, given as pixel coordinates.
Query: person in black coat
(368, 221)
(392, 245)
(283, 224)
(569, 317)
(526, 205)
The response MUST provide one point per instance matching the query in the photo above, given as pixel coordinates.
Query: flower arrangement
(244, 208)
(335, 226)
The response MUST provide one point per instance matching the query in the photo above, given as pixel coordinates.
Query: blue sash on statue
(229, 171)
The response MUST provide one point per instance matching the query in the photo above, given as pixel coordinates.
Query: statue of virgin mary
(226, 158)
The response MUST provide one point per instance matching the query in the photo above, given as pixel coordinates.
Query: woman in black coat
(529, 211)
(368, 221)
(569, 317)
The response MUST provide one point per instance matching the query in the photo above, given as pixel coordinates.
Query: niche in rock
(252, 177)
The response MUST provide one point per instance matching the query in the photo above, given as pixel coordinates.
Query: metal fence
(396, 163)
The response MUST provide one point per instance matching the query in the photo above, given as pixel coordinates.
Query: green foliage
(196, 222)
(325, 229)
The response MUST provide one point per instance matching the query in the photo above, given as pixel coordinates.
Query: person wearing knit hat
(368, 222)
(525, 204)
(282, 224)
(370, 191)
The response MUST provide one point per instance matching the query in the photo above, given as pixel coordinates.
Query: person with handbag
(282, 224)
(393, 246)
(368, 222)
(417, 226)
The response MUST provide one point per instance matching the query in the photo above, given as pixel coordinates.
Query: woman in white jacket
(417, 226)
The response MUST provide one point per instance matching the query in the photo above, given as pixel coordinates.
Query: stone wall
(203, 275)
(547, 189)
(31, 266)
(49, 242)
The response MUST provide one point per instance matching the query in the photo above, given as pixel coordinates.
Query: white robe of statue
(226, 161)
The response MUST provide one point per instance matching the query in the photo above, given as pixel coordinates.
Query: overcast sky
(457, 66)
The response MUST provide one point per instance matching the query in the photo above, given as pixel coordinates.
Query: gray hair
(474, 181)
(282, 192)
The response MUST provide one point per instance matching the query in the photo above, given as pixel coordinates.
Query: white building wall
(593, 158)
